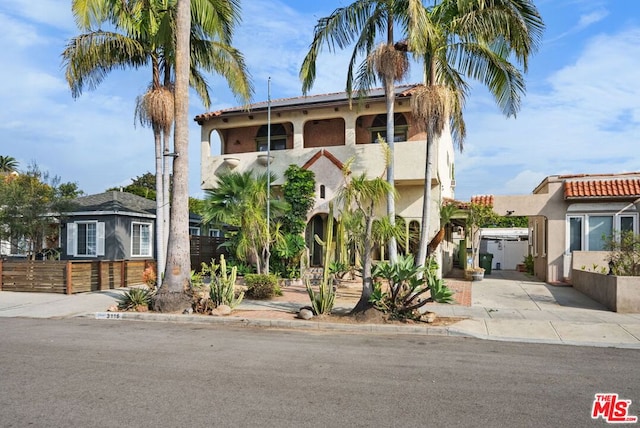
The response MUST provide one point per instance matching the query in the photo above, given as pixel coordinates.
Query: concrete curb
(232, 321)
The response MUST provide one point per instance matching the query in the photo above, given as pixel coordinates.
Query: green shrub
(528, 264)
(624, 256)
(135, 299)
(222, 288)
(262, 286)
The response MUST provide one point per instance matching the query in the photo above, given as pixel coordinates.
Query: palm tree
(240, 199)
(146, 36)
(359, 198)
(172, 295)
(360, 23)
(8, 164)
(474, 39)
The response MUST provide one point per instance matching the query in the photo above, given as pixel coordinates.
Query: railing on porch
(68, 277)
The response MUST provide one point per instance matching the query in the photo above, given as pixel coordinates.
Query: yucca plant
(136, 299)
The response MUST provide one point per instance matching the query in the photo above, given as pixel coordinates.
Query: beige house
(568, 217)
(321, 133)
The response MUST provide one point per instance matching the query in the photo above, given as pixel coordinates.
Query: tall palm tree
(240, 199)
(145, 34)
(363, 23)
(359, 198)
(172, 295)
(8, 164)
(474, 39)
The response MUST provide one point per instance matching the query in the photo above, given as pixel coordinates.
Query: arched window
(322, 191)
(278, 137)
(379, 127)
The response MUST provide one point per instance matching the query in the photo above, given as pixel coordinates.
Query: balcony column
(298, 132)
(350, 118)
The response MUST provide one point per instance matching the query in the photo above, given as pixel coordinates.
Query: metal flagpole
(268, 172)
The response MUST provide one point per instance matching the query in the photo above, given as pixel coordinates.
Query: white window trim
(72, 238)
(585, 223)
(150, 226)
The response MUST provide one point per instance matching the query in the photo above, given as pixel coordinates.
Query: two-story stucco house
(569, 215)
(321, 133)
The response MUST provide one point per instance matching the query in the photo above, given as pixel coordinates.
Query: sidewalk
(505, 306)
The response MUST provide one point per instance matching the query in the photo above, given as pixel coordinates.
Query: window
(215, 233)
(194, 231)
(141, 239)
(85, 238)
(322, 192)
(379, 127)
(575, 234)
(590, 232)
(600, 228)
(278, 137)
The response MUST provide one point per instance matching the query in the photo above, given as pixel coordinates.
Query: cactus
(222, 291)
(322, 301)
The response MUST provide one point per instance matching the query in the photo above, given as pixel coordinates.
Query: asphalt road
(93, 373)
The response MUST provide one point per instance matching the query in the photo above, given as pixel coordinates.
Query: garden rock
(429, 317)
(221, 311)
(305, 314)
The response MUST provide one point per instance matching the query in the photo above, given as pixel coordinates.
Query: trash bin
(486, 259)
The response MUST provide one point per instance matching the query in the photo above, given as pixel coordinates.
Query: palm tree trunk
(389, 88)
(426, 198)
(172, 296)
(367, 281)
(160, 242)
(390, 97)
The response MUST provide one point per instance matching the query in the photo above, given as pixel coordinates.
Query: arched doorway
(316, 226)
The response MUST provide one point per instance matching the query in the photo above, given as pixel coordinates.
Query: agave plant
(136, 299)
(408, 290)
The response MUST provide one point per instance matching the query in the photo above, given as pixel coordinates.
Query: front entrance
(316, 226)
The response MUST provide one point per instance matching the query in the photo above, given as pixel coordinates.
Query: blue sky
(581, 113)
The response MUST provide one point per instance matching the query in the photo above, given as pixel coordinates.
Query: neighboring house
(321, 133)
(111, 226)
(569, 215)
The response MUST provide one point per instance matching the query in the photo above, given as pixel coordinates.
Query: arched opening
(278, 137)
(316, 226)
(379, 128)
(215, 143)
(414, 237)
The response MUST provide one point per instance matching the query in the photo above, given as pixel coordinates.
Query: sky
(580, 115)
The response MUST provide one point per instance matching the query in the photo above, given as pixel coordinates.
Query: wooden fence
(205, 248)
(69, 277)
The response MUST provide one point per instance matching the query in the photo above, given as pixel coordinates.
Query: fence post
(100, 275)
(123, 276)
(69, 270)
(1, 279)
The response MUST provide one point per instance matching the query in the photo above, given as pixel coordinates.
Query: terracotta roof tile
(300, 102)
(482, 200)
(614, 188)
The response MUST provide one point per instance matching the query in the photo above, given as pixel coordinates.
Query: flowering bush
(149, 277)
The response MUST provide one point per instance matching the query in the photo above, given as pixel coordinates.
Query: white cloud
(587, 122)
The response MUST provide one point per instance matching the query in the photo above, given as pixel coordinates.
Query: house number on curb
(108, 315)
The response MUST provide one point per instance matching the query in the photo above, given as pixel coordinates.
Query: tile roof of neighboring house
(114, 201)
(482, 200)
(309, 100)
(602, 188)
